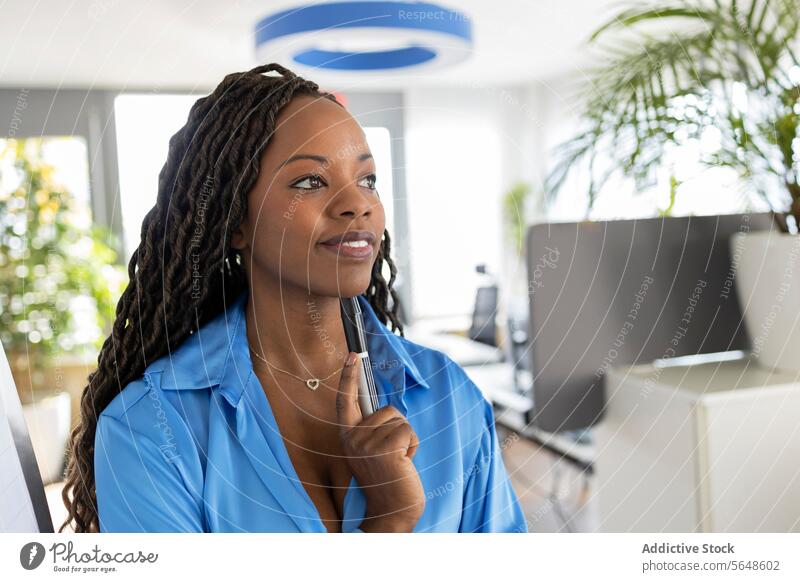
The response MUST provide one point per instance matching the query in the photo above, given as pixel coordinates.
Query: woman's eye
(312, 182)
(371, 179)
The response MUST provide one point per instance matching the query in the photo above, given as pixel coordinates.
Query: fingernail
(351, 358)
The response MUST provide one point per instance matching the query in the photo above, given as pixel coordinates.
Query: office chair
(483, 328)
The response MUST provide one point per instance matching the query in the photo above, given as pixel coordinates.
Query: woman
(224, 398)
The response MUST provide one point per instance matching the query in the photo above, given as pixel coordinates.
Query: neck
(295, 330)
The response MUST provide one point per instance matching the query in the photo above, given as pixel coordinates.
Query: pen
(353, 321)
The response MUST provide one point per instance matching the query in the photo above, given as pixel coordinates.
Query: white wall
(465, 146)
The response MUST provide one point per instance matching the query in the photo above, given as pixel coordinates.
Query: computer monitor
(23, 505)
(620, 292)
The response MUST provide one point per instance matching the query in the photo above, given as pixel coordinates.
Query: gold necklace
(312, 383)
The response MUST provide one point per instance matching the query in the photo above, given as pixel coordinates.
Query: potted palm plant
(675, 71)
(516, 211)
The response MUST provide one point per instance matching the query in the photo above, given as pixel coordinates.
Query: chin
(349, 286)
(351, 289)
(344, 279)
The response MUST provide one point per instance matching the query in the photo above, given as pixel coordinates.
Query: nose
(351, 202)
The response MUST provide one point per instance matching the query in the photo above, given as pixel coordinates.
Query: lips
(356, 244)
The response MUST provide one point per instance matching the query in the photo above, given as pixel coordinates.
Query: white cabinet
(710, 447)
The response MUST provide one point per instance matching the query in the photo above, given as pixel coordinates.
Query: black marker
(353, 322)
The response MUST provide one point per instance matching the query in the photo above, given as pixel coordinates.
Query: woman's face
(316, 183)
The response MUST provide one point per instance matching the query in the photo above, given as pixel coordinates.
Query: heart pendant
(312, 383)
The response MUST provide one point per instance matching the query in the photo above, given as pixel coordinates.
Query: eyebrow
(316, 158)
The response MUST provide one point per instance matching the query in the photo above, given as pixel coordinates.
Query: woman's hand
(379, 450)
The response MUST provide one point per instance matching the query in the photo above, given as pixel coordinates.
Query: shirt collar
(218, 354)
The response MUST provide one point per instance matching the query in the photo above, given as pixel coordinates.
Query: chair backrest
(484, 328)
(23, 504)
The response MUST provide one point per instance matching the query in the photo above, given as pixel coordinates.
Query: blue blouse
(193, 446)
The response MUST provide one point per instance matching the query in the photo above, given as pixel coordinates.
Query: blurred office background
(465, 143)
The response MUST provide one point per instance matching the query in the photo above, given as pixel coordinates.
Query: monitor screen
(622, 292)
(23, 505)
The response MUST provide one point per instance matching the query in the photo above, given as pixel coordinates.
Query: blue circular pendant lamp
(366, 37)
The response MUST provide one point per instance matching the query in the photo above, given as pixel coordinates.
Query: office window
(44, 201)
(68, 156)
(380, 144)
(144, 124)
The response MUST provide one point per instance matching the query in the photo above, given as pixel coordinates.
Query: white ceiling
(192, 44)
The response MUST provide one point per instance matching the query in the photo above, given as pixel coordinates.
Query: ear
(242, 235)
(238, 239)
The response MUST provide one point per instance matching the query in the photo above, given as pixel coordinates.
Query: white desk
(462, 350)
(713, 447)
